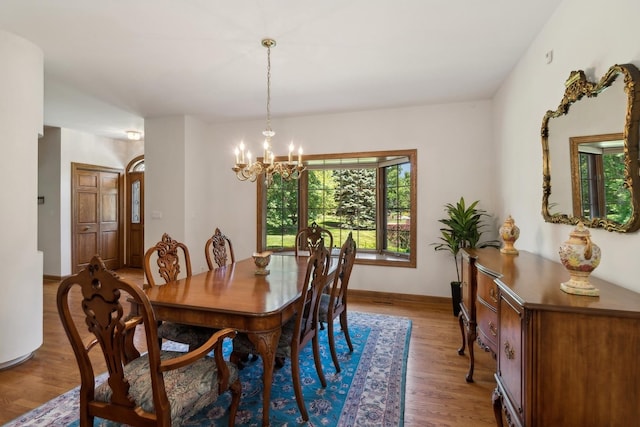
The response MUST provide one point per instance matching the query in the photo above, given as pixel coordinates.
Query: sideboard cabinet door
(510, 356)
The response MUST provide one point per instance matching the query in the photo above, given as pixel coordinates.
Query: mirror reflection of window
(598, 178)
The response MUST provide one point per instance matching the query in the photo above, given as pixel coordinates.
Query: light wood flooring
(436, 391)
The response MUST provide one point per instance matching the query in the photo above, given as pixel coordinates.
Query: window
(372, 195)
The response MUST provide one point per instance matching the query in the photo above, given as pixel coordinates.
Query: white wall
(57, 150)
(456, 158)
(21, 121)
(200, 179)
(164, 178)
(583, 34)
(179, 183)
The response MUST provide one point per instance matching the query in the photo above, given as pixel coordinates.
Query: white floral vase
(580, 256)
(509, 233)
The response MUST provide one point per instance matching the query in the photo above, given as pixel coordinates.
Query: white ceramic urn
(580, 256)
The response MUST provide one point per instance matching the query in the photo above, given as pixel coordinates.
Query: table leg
(266, 343)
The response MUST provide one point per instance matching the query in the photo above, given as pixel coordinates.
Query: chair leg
(236, 391)
(316, 358)
(159, 338)
(332, 346)
(236, 358)
(297, 388)
(345, 328)
(86, 420)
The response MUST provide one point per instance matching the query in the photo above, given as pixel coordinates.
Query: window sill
(371, 258)
(387, 260)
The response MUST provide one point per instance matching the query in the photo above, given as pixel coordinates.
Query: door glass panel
(135, 202)
(138, 167)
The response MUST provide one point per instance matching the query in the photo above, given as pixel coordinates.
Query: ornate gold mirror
(590, 156)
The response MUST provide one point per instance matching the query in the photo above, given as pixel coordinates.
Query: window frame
(383, 159)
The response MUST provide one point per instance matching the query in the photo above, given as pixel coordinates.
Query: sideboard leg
(464, 336)
(471, 339)
(496, 400)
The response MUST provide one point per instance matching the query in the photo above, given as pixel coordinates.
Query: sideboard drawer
(510, 352)
(487, 327)
(488, 289)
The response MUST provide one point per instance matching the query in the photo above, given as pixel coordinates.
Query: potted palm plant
(463, 229)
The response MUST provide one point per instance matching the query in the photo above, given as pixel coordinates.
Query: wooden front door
(96, 211)
(135, 219)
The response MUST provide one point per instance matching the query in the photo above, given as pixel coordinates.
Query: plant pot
(456, 297)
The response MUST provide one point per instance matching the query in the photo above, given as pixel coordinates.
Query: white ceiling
(110, 63)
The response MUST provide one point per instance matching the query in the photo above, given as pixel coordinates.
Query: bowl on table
(262, 259)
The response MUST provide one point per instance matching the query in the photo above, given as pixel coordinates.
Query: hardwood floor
(436, 391)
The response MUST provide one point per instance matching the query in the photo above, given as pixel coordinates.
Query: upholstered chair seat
(189, 389)
(193, 336)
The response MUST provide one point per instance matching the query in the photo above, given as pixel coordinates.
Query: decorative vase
(262, 259)
(580, 256)
(509, 232)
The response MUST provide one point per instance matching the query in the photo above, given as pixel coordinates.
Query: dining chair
(299, 330)
(218, 249)
(334, 303)
(308, 239)
(169, 256)
(141, 389)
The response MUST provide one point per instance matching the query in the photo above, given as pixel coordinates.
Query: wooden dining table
(234, 296)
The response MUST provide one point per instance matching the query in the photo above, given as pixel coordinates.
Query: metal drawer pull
(493, 329)
(492, 294)
(509, 351)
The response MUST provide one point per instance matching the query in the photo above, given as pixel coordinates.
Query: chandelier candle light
(245, 168)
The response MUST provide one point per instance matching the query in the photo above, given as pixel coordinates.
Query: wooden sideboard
(478, 309)
(562, 360)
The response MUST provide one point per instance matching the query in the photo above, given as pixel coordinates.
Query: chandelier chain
(269, 87)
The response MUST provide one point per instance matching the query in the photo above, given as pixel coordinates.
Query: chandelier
(245, 168)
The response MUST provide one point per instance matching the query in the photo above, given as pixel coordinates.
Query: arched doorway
(135, 212)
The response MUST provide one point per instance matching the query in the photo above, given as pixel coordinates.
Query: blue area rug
(369, 391)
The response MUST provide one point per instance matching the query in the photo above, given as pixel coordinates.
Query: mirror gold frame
(577, 87)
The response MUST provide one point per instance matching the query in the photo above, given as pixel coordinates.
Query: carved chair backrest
(306, 326)
(308, 239)
(171, 256)
(219, 248)
(346, 259)
(102, 296)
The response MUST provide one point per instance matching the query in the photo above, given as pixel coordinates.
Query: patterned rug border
(372, 400)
